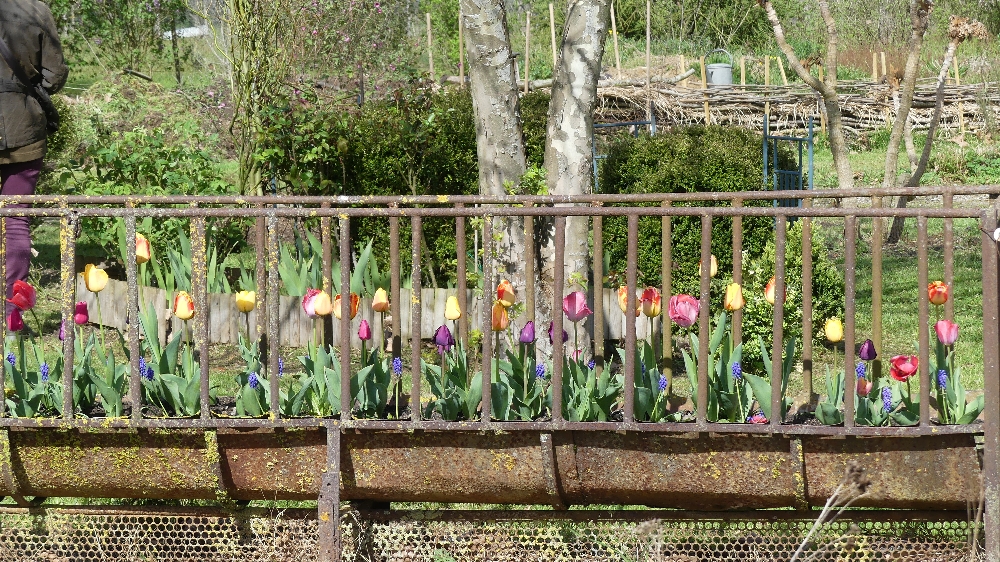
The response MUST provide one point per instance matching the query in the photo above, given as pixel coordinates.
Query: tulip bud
(864, 387)
(713, 268)
(734, 298)
(364, 331)
(528, 333)
(867, 351)
(937, 293)
(141, 249)
(651, 302)
(94, 278)
(451, 310)
(14, 322)
(380, 303)
(769, 290)
(246, 301)
(81, 314)
(834, 330)
(947, 332)
(183, 305)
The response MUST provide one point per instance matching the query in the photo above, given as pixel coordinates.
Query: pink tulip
(947, 331)
(864, 387)
(575, 306)
(364, 331)
(683, 310)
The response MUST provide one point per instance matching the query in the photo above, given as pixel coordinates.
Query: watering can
(719, 73)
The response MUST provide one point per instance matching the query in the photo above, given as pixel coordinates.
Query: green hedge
(705, 159)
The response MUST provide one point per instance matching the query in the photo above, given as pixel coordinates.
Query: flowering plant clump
(953, 404)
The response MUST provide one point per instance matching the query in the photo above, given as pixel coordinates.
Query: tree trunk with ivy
(499, 140)
(569, 152)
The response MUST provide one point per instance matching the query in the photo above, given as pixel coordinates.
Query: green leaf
(761, 391)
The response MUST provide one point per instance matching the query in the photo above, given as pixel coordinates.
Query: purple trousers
(18, 179)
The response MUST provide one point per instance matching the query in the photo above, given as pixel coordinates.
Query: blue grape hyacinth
(397, 365)
(942, 379)
(591, 364)
(540, 371)
(887, 399)
(860, 370)
(45, 372)
(281, 367)
(663, 383)
(145, 371)
(737, 371)
(11, 358)
(253, 381)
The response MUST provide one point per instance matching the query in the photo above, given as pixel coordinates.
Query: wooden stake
(614, 34)
(884, 71)
(781, 67)
(461, 49)
(527, 49)
(961, 104)
(684, 67)
(649, 115)
(767, 82)
(704, 86)
(552, 30)
(743, 71)
(430, 47)
(874, 67)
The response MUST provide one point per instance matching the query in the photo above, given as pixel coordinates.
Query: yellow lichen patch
(711, 467)
(442, 198)
(506, 460)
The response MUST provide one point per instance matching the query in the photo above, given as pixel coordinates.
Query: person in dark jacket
(30, 33)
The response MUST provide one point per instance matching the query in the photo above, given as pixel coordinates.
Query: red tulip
(683, 309)
(903, 367)
(769, 290)
(947, 331)
(575, 306)
(81, 315)
(14, 322)
(651, 302)
(24, 296)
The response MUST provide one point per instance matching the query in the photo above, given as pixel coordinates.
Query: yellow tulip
(246, 301)
(141, 249)
(451, 310)
(381, 301)
(734, 297)
(713, 269)
(95, 278)
(183, 305)
(834, 330)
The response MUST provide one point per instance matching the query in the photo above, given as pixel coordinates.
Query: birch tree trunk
(569, 153)
(497, 113)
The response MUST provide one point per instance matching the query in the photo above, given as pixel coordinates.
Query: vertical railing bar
(462, 283)
(991, 387)
(395, 308)
(415, 304)
(261, 308)
(949, 254)
(529, 269)
(703, 328)
(850, 273)
(67, 251)
(630, 343)
(346, 400)
(326, 269)
(3, 322)
(923, 323)
(329, 499)
(558, 289)
(489, 284)
(273, 310)
(878, 229)
(807, 303)
(199, 283)
(132, 277)
(666, 287)
(599, 337)
(777, 326)
(737, 270)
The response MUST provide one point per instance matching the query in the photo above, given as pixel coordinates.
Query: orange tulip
(651, 302)
(937, 292)
(505, 293)
(734, 298)
(769, 291)
(623, 301)
(500, 320)
(183, 305)
(381, 301)
(141, 249)
(355, 302)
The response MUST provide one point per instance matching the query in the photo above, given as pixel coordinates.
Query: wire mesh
(60, 535)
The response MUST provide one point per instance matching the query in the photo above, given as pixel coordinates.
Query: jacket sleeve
(54, 70)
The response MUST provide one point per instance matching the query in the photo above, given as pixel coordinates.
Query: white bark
(568, 146)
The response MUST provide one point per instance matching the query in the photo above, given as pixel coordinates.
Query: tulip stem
(37, 321)
(100, 320)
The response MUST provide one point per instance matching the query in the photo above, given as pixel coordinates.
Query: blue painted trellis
(787, 180)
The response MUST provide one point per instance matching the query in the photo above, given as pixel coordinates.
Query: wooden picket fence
(295, 328)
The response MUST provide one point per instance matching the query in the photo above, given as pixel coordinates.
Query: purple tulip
(528, 333)
(867, 351)
(443, 339)
(565, 337)
(62, 331)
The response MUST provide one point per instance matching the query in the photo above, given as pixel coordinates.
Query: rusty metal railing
(269, 211)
